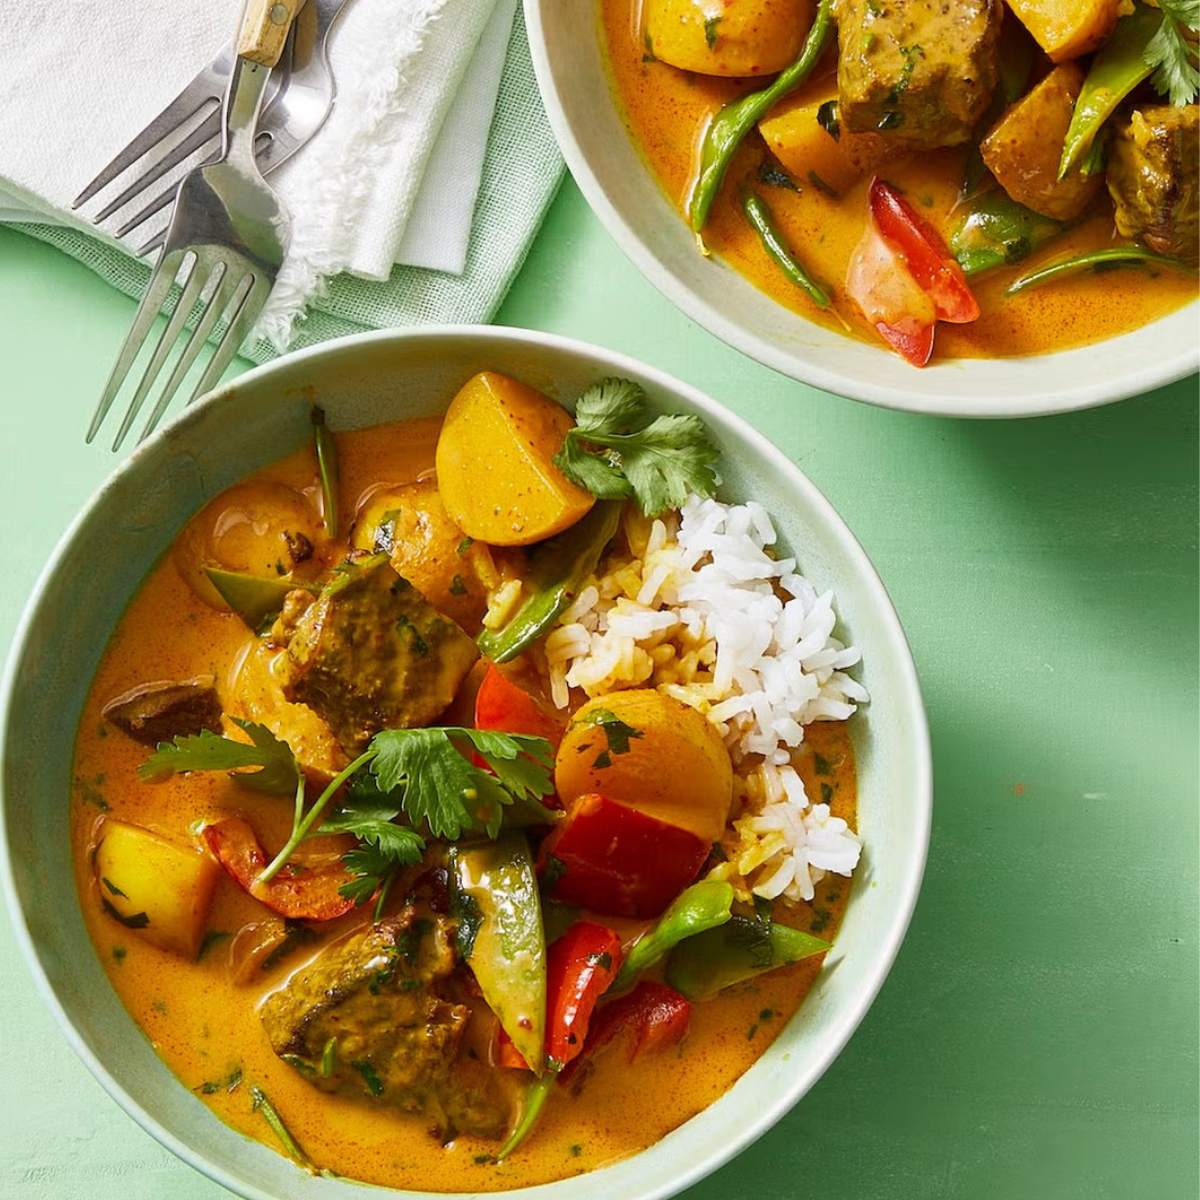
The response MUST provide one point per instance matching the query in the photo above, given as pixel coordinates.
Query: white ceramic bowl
(570, 61)
(362, 381)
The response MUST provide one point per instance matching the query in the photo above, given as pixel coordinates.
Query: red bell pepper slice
(503, 705)
(656, 1015)
(302, 893)
(580, 966)
(929, 261)
(613, 859)
(901, 311)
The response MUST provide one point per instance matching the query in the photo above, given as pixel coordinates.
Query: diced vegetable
(612, 859)
(1067, 28)
(158, 889)
(300, 892)
(743, 947)
(653, 753)
(503, 704)
(925, 254)
(1116, 70)
(494, 895)
(752, 37)
(806, 136)
(1024, 148)
(555, 574)
(257, 599)
(891, 300)
(703, 906)
(495, 463)
(993, 229)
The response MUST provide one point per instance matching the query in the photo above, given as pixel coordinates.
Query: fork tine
(246, 307)
(210, 128)
(171, 117)
(166, 343)
(216, 304)
(156, 292)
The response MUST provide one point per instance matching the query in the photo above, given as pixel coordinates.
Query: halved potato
(495, 463)
(716, 37)
(1066, 29)
(158, 889)
(650, 752)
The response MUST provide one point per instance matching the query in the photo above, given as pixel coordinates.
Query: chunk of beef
(156, 712)
(365, 1019)
(371, 653)
(1152, 177)
(921, 70)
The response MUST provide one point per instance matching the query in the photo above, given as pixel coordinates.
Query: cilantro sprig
(1170, 54)
(278, 771)
(617, 449)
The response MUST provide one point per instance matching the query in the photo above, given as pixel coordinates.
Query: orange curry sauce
(667, 111)
(205, 1025)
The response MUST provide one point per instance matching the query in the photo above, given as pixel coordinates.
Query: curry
(896, 170)
(379, 899)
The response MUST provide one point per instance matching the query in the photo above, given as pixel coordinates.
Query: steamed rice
(697, 606)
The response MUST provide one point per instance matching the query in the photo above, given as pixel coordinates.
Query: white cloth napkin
(391, 178)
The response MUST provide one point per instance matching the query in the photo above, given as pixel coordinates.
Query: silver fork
(225, 242)
(298, 99)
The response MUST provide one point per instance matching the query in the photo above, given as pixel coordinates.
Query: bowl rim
(1067, 397)
(907, 688)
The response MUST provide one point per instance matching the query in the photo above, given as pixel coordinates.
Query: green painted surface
(1038, 1035)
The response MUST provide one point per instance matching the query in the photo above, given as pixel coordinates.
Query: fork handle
(265, 28)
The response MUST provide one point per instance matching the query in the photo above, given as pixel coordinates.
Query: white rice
(700, 609)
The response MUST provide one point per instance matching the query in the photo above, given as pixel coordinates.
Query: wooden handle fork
(265, 28)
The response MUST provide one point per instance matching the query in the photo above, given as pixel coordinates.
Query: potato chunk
(812, 153)
(749, 37)
(1024, 148)
(158, 889)
(495, 463)
(651, 752)
(1066, 29)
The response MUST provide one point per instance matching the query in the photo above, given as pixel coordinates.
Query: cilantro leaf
(383, 846)
(206, 751)
(617, 449)
(1171, 56)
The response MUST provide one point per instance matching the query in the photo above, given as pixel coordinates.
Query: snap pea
(994, 229)
(763, 223)
(701, 907)
(256, 599)
(1095, 260)
(557, 569)
(738, 950)
(736, 119)
(1118, 67)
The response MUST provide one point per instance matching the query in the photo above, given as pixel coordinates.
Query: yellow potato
(1024, 148)
(811, 154)
(158, 889)
(452, 571)
(495, 466)
(652, 753)
(1067, 28)
(261, 528)
(727, 37)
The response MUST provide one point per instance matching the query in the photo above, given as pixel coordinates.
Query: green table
(1037, 1038)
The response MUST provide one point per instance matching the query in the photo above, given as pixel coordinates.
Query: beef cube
(365, 1019)
(371, 653)
(156, 712)
(921, 70)
(1152, 178)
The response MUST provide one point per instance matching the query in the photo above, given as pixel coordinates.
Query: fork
(225, 242)
(298, 99)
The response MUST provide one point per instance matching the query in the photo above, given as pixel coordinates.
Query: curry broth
(205, 1026)
(666, 111)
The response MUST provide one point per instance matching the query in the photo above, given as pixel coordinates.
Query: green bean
(1096, 260)
(759, 216)
(994, 230)
(1119, 66)
(736, 119)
